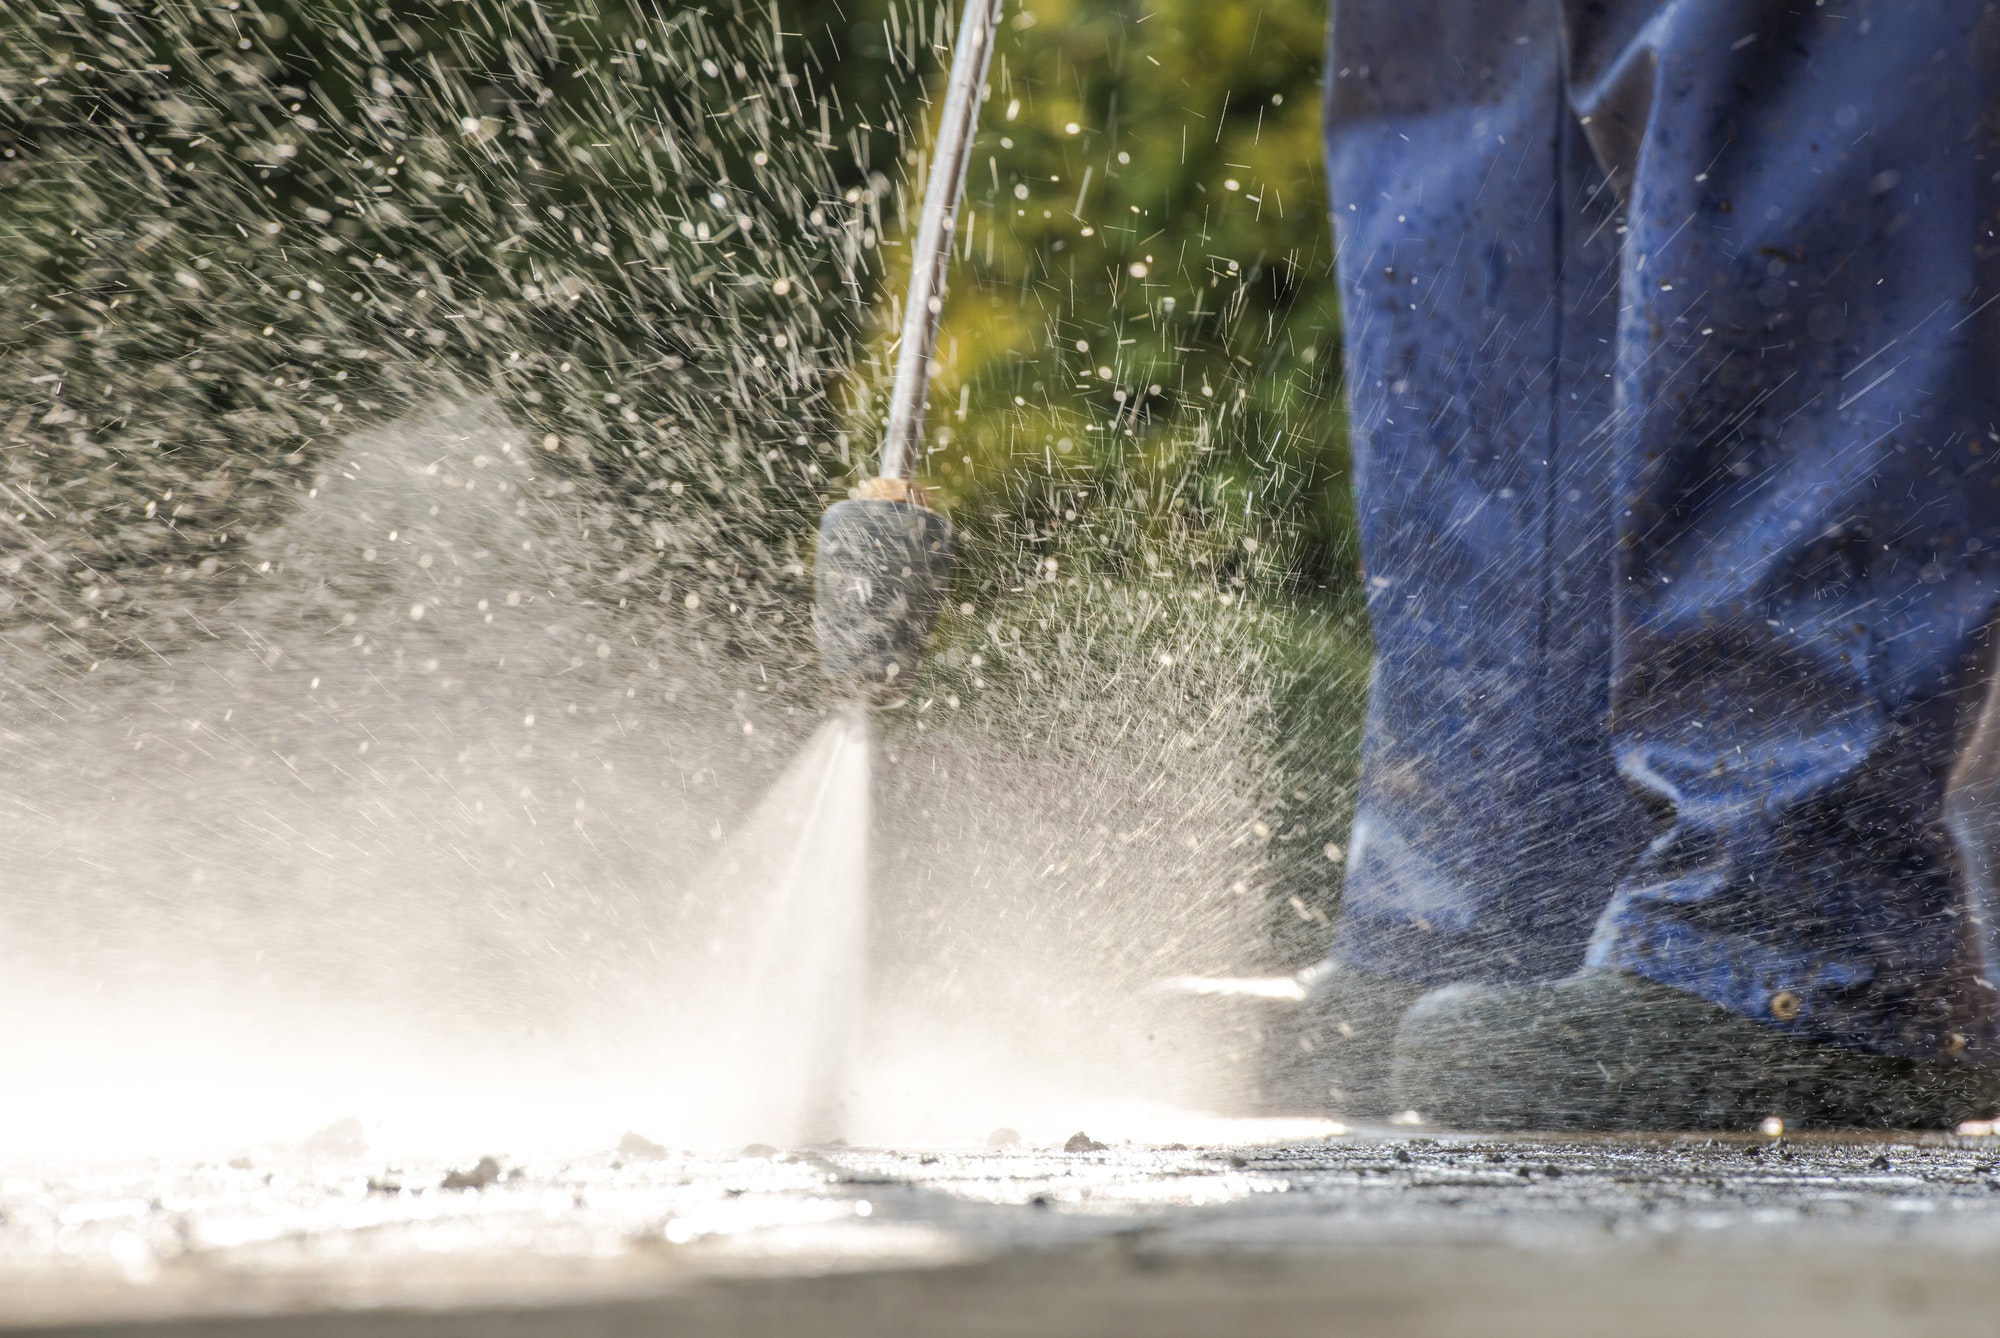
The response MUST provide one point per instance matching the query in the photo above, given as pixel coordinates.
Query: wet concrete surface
(1380, 1231)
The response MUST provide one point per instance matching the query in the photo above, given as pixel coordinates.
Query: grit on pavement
(1268, 1227)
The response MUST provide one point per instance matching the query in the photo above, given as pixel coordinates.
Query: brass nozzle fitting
(890, 490)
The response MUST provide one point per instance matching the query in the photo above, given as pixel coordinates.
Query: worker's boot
(1609, 1050)
(1331, 1056)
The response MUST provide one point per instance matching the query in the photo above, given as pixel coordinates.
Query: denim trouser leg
(1751, 571)
(1477, 260)
(1807, 414)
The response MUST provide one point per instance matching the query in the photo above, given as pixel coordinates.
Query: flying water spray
(884, 556)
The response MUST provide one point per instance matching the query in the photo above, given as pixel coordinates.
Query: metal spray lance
(884, 557)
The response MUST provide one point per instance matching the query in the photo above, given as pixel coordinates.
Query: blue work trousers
(1673, 349)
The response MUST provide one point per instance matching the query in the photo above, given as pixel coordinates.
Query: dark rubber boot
(1331, 1056)
(1608, 1050)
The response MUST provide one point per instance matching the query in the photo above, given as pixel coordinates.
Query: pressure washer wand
(935, 231)
(884, 557)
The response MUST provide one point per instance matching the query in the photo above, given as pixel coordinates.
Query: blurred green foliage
(1144, 295)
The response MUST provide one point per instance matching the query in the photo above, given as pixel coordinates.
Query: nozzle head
(883, 570)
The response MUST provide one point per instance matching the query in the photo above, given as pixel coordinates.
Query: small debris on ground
(479, 1177)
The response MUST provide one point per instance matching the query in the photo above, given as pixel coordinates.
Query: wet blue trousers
(1673, 340)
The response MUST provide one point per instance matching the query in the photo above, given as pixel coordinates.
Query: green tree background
(668, 240)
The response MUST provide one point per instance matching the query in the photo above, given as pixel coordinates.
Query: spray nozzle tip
(884, 566)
